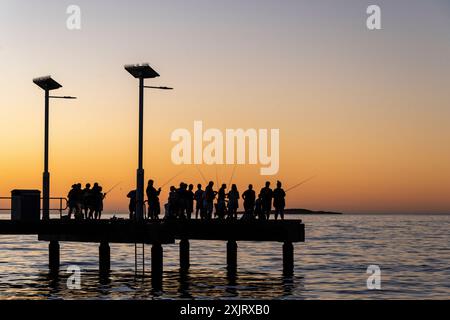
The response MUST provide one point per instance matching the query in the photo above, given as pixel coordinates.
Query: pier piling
(155, 233)
(157, 264)
(184, 255)
(232, 255)
(104, 257)
(288, 258)
(54, 256)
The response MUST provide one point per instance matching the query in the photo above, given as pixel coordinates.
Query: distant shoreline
(310, 212)
(306, 212)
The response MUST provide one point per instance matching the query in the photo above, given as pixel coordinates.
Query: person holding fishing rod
(266, 198)
(279, 201)
(198, 197)
(190, 201)
(154, 207)
(132, 205)
(233, 202)
(221, 202)
(98, 197)
(208, 200)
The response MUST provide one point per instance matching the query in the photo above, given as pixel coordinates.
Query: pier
(159, 233)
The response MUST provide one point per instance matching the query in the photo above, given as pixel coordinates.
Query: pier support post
(104, 253)
(53, 256)
(157, 264)
(184, 255)
(232, 255)
(288, 258)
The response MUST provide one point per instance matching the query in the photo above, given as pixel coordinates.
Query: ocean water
(413, 253)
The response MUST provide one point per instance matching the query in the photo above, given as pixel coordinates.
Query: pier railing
(62, 203)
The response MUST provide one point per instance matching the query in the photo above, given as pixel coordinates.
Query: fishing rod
(232, 174)
(171, 179)
(201, 174)
(115, 186)
(301, 183)
(217, 176)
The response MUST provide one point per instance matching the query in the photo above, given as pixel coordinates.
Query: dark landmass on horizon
(310, 212)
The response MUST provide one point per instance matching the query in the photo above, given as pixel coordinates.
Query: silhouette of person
(173, 203)
(208, 199)
(221, 205)
(182, 200)
(249, 214)
(259, 212)
(198, 196)
(279, 201)
(249, 199)
(154, 207)
(86, 199)
(190, 200)
(98, 197)
(72, 204)
(266, 199)
(94, 200)
(233, 202)
(78, 201)
(132, 206)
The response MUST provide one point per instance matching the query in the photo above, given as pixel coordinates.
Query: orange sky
(366, 112)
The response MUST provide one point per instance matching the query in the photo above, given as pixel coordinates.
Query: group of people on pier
(86, 203)
(222, 203)
(184, 202)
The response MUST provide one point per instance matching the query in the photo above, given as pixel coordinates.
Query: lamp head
(47, 83)
(141, 71)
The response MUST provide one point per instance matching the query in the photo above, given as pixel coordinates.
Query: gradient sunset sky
(368, 112)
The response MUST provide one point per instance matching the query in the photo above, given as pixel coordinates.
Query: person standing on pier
(98, 197)
(172, 204)
(221, 204)
(93, 202)
(279, 201)
(79, 202)
(72, 201)
(154, 207)
(266, 199)
(198, 196)
(249, 199)
(86, 200)
(182, 200)
(233, 202)
(190, 201)
(208, 201)
(259, 209)
(132, 206)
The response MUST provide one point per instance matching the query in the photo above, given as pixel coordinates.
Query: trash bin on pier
(26, 205)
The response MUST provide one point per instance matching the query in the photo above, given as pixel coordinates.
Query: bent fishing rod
(300, 184)
(114, 187)
(171, 179)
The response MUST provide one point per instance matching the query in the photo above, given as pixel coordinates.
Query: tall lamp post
(141, 72)
(47, 84)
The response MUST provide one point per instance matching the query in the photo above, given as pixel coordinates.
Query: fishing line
(201, 174)
(301, 183)
(232, 174)
(175, 176)
(115, 186)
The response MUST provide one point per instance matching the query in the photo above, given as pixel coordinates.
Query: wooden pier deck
(157, 233)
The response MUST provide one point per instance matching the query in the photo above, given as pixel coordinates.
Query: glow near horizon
(368, 112)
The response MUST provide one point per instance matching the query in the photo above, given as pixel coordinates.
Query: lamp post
(47, 84)
(142, 72)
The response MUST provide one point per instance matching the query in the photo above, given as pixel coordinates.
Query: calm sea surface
(413, 253)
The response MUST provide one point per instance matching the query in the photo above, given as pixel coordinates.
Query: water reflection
(231, 288)
(54, 282)
(330, 265)
(184, 287)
